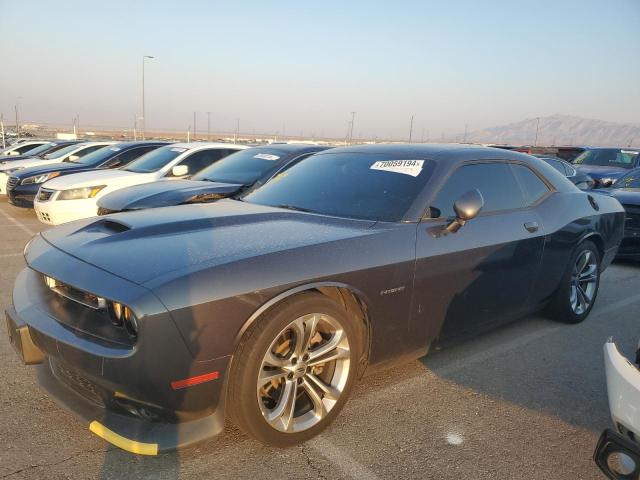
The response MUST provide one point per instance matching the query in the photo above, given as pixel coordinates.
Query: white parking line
(22, 227)
(350, 467)
(8, 255)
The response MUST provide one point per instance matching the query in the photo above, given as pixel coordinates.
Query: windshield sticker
(115, 149)
(180, 150)
(406, 167)
(629, 152)
(266, 156)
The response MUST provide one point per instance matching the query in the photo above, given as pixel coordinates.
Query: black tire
(560, 309)
(244, 408)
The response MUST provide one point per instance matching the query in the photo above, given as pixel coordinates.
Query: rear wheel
(293, 370)
(578, 290)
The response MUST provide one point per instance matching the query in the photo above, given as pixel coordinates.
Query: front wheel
(293, 370)
(578, 289)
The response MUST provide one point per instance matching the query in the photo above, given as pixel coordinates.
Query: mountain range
(560, 130)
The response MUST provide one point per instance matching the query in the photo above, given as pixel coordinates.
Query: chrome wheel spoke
(319, 408)
(307, 327)
(282, 415)
(583, 261)
(332, 350)
(327, 390)
(267, 376)
(273, 360)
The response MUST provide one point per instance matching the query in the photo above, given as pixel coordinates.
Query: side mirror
(13, 153)
(73, 158)
(466, 208)
(180, 170)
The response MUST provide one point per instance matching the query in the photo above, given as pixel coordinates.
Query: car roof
(141, 143)
(441, 152)
(291, 147)
(206, 144)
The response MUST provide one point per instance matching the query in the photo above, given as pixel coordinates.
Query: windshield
(155, 160)
(243, 167)
(608, 157)
(630, 180)
(352, 185)
(62, 152)
(40, 149)
(97, 157)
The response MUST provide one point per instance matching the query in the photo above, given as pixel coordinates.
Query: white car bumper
(55, 212)
(623, 386)
(3, 183)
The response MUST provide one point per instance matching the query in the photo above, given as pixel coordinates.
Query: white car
(21, 148)
(76, 196)
(72, 152)
(618, 452)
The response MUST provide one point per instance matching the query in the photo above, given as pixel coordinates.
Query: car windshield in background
(155, 160)
(38, 150)
(352, 185)
(243, 167)
(630, 180)
(97, 157)
(62, 152)
(608, 157)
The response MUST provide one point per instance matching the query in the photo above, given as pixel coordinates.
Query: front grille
(45, 194)
(12, 182)
(632, 217)
(77, 382)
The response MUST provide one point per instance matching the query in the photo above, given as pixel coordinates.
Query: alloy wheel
(303, 373)
(583, 282)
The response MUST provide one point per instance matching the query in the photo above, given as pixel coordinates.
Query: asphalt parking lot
(527, 401)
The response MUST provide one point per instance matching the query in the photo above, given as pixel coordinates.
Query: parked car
(231, 175)
(156, 325)
(606, 165)
(627, 191)
(75, 196)
(70, 152)
(579, 179)
(39, 152)
(618, 450)
(21, 148)
(23, 185)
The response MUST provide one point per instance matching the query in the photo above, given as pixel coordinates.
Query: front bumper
(3, 183)
(132, 396)
(22, 195)
(618, 457)
(55, 212)
(623, 388)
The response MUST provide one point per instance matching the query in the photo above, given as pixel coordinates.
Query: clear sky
(307, 65)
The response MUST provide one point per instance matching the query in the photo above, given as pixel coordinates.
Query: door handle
(531, 226)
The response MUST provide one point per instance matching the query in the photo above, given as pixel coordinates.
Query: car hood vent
(106, 226)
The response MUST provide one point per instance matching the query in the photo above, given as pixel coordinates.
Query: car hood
(98, 177)
(26, 163)
(13, 158)
(53, 167)
(165, 193)
(174, 241)
(597, 171)
(626, 196)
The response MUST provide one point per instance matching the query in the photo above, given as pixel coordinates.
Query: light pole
(411, 129)
(144, 116)
(194, 126)
(208, 126)
(535, 143)
(15, 107)
(353, 117)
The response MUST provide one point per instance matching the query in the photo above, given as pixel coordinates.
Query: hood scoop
(107, 226)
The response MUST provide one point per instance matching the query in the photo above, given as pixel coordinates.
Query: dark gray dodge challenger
(155, 326)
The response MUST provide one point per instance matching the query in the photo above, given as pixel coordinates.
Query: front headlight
(40, 178)
(122, 316)
(79, 193)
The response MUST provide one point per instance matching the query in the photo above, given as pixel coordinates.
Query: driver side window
(495, 181)
(201, 159)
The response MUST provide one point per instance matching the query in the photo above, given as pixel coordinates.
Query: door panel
(479, 276)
